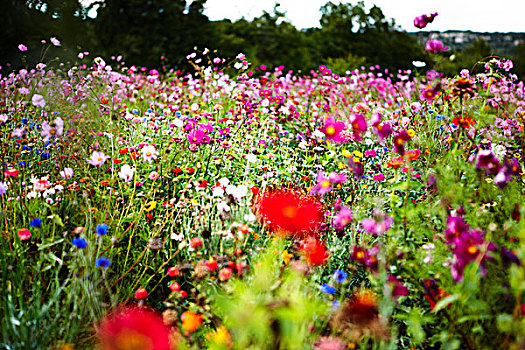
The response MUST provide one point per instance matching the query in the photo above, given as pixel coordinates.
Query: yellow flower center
(330, 130)
(325, 184)
(290, 212)
(472, 249)
(148, 154)
(131, 340)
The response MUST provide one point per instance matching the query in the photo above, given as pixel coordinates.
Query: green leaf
(443, 303)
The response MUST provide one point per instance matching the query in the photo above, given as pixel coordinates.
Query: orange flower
(191, 321)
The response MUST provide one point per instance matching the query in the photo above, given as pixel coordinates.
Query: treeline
(155, 33)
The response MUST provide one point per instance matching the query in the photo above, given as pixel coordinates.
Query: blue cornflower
(80, 243)
(340, 276)
(430, 111)
(103, 262)
(46, 155)
(102, 229)
(36, 222)
(24, 120)
(328, 289)
(440, 116)
(335, 305)
(22, 164)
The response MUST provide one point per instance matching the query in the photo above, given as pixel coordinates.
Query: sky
(474, 15)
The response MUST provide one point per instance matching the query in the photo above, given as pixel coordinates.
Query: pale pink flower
(22, 47)
(67, 173)
(97, 158)
(54, 41)
(54, 130)
(149, 153)
(38, 101)
(41, 185)
(126, 173)
(153, 175)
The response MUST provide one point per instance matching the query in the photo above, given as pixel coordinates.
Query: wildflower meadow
(240, 206)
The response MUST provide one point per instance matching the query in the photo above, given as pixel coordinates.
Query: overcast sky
(475, 15)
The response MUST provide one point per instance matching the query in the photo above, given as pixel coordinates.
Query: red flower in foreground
(315, 252)
(134, 328)
(289, 212)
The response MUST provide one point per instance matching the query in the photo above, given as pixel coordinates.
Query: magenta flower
(332, 129)
(323, 186)
(382, 130)
(196, 136)
(378, 225)
(378, 177)
(342, 219)
(359, 126)
(456, 226)
(398, 289)
(435, 46)
(423, 20)
(470, 247)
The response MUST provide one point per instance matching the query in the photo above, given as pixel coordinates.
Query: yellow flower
(346, 153)
(358, 154)
(150, 206)
(411, 132)
(287, 256)
(340, 165)
(220, 337)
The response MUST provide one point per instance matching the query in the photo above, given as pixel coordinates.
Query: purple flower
(508, 257)
(504, 175)
(38, 101)
(469, 247)
(422, 21)
(456, 226)
(382, 130)
(356, 167)
(342, 219)
(488, 161)
(399, 142)
(435, 46)
(332, 129)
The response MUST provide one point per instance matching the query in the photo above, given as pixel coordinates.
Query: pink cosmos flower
(422, 21)
(97, 158)
(38, 101)
(41, 185)
(359, 126)
(378, 225)
(22, 47)
(126, 173)
(149, 153)
(54, 130)
(67, 173)
(332, 129)
(342, 219)
(382, 130)
(153, 175)
(435, 46)
(54, 41)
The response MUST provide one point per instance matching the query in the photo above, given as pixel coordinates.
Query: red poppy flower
(134, 328)
(289, 212)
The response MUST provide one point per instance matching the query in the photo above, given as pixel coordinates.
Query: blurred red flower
(289, 212)
(314, 250)
(134, 328)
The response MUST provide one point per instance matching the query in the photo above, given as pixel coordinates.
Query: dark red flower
(134, 328)
(289, 212)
